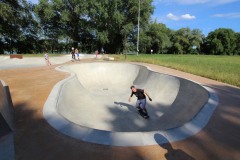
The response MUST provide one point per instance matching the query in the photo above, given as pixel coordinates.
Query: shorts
(141, 103)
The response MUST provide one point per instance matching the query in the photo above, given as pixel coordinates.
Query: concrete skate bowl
(92, 105)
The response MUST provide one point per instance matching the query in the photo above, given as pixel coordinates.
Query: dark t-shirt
(139, 94)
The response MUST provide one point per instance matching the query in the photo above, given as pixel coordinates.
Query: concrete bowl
(92, 104)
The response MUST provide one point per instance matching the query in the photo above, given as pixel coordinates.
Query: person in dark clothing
(141, 98)
(73, 54)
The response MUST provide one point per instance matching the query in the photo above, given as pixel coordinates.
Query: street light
(138, 26)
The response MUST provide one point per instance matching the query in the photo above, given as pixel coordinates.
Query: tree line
(58, 25)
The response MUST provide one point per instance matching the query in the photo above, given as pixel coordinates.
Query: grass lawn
(221, 68)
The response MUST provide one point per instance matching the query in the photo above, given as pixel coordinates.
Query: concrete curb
(6, 109)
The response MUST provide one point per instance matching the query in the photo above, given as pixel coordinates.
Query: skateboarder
(141, 98)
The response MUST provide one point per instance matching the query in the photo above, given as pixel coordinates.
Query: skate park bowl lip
(29, 62)
(91, 105)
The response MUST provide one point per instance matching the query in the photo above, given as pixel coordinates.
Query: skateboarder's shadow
(122, 104)
(172, 154)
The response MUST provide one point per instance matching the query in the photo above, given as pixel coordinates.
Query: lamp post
(138, 26)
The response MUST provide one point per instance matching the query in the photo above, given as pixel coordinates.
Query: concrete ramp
(98, 98)
(95, 100)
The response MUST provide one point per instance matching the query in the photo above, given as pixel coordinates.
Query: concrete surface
(29, 62)
(92, 105)
(6, 123)
(35, 139)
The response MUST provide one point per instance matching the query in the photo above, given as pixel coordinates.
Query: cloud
(217, 2)
(189, 2)
(172, 17)
(187, 16)
(181, 17)
(227, 15)
(193, 2)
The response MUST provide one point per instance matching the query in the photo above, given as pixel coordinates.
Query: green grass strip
(221, 68)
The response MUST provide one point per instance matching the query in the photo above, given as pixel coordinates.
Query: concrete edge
(7, 147)
(9, 103)
(7, 142)
(73, 130)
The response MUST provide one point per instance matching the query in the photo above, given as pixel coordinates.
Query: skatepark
(85, 104)
(99, 103)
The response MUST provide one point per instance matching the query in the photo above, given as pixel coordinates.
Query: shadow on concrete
(172, 154)
(122, 104)
(153, 111)
(4, 128)
(160, 118)
(223, 129)
(228, 89)
(36, 139)
(124, 112)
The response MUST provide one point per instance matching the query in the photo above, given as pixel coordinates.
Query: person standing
(96, 53)
(102, 50)
(141, 98)
(77, 53)
(73, 54)
(46, 57)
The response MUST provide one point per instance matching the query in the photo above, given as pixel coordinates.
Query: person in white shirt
(47, 59)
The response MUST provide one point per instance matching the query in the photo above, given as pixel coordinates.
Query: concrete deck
(30, 62)
(36, 139)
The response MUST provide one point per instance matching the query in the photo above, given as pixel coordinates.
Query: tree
(181, 41)
(221, 41)
(196, 40)
(116, 22)
(237, 40)
(144, 42)
(9, 29)
(186, 41)
(111, 24)
(216, 47)
(17, 26)
(61, 18)
(157, 38)
(93, 24)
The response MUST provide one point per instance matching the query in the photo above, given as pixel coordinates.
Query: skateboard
(143, 114)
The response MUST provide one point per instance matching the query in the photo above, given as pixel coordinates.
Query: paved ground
(29, 62)
(35, 139)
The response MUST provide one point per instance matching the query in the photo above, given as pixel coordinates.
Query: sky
(206, 15)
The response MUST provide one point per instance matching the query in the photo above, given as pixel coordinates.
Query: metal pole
(138, 27)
